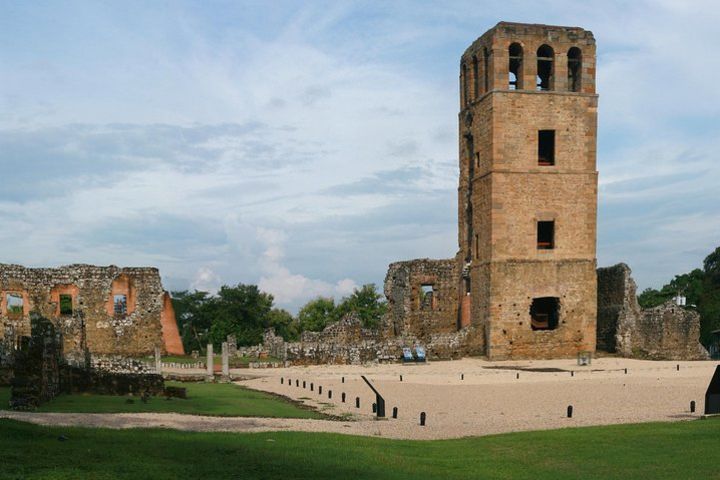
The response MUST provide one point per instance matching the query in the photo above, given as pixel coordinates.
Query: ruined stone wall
(92, 321)
(421, 314)
(666, 332)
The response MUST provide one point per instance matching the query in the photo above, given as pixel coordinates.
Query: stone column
(158, 361)
(210, 362)
(225, 361)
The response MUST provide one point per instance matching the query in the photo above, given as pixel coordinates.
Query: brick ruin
(666, 332)
(100, 310)
(523, 283)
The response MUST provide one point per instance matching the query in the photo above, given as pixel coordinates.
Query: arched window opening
(574, 69)
(486, 67)
(463, 81)
(476, 79)
(545, 57)
(515, 67)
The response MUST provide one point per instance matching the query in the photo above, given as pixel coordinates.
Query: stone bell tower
(528, 190)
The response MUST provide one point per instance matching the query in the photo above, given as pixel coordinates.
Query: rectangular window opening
(546, 235)
(66, 305)
(546, 147)
(120, 305)
(544, 313)
(15, 304)
(477, 246)
(427, 294)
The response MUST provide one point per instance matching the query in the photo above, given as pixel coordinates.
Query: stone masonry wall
(666, 332)
(92, 321)
(422, 314)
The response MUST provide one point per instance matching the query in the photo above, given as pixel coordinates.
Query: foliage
(317, 314)
(192, 318)
(284, 324)
(367, 303)
(243, 311)
(659, 451)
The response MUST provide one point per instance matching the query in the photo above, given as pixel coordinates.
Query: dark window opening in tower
(546, 147)
(476, 79)
(427, 297)
(546, 235)
(544, 313)
(477, 246)
(574, 69)
(486, 69)
(463, 82)
(545, 57)
(515, 67)
(477, 159)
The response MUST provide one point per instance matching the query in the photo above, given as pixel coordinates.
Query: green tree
(284, 324)
(193, 323)
(317, 314)
(367, 303)
(243, 311)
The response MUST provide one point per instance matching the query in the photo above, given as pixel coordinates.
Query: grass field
(203, 399)
(679, 450)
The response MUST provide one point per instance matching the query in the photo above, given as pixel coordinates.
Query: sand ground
(489, 399)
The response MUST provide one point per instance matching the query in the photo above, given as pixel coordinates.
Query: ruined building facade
(100, 310)
(523, 283)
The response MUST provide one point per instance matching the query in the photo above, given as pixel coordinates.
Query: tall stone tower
(528, 191)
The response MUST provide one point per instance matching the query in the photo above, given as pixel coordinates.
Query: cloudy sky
(303, 146)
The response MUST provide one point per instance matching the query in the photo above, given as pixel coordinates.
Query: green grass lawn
(203, 399)
(680, 450)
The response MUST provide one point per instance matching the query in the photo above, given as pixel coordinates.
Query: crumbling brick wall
(418, 313)
(89, 318)
(666, 332)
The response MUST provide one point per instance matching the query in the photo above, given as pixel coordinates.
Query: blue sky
(303, 146)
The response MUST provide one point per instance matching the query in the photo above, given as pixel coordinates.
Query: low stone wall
(78, 380)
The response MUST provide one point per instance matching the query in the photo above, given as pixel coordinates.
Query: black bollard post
(282, 380)
(394, 412)
(319, 389)
(517, 376)
(357, 402)
(343, 397)
(329, 393)
(297, 383)
(401, 378)
(312, 387)
(572, 373)
(692, 406)
(289, 382)
(678, 367)
(569, 411)
(626, 371)
(343, 379)
(422, 419)
(303, 383)
(462, 376)
(374, 407)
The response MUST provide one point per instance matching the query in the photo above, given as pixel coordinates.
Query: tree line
(246, 312)
(701, 287)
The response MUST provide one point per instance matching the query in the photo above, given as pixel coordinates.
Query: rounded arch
(574, 58)
(515, 58)
(545, 67)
